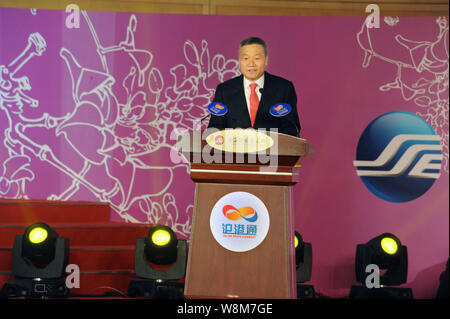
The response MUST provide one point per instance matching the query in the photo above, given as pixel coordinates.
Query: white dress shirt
(248, 90)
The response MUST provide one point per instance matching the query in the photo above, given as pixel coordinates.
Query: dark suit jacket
(276, 90)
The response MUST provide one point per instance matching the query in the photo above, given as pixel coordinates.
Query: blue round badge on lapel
(280, 109)
(217, 108)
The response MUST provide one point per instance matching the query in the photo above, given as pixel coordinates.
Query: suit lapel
(266, 97)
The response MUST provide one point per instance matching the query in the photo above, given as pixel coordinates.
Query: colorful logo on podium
(239, 229)
(247, 213)
(399, 156)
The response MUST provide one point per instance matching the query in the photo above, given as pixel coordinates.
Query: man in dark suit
(250, 96)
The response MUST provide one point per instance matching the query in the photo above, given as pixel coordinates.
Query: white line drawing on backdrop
(128, 120)
(16, 169)
(429, 59)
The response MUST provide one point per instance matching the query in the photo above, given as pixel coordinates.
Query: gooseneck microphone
(215, 108)
(204, 117)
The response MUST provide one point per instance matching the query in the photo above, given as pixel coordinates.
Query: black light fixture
(303, 265)
(442, 292)
(159, 261)
(39, 261)
(38, 243)
(160, 245)
(303, 259)
(385, 254)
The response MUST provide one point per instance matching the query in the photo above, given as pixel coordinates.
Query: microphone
(214, 108)
(204, 117)
(261, 90)
(282, 110)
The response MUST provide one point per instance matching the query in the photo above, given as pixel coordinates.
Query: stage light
(39, 260)
(386, 254)
(40, 253)
(303, 259)
(161, 245)
(37, 235)
(389, 245)
(38, 243)
(159, 260)
(161, 237)
(303, 265)
(442, 292)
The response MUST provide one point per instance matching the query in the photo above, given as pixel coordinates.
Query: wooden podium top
(244, 156)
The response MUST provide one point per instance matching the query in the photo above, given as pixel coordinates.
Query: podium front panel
(266, 271)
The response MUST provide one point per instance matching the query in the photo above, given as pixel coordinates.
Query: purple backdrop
(86, 114)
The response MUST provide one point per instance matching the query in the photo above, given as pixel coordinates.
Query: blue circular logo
(399, 156)
(217, 108)
(280, 109)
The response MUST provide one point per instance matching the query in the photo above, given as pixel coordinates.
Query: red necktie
(254, 102)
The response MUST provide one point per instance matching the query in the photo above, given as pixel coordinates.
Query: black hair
(253, 40)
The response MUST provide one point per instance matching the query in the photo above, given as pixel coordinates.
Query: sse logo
(398, 156)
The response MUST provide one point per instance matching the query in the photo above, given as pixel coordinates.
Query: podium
(242, 237)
